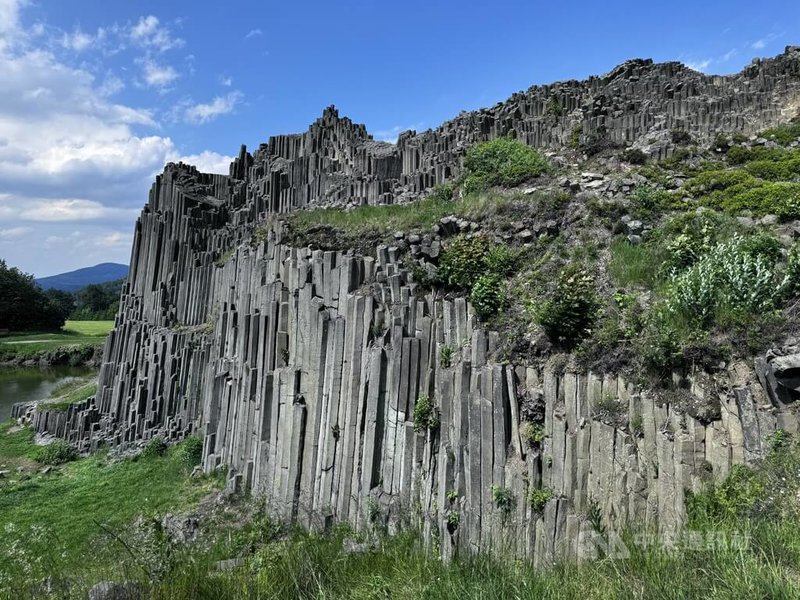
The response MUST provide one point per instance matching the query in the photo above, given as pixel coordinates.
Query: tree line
(24, 306)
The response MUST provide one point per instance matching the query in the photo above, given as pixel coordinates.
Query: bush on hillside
(502, 161)
(571, 310)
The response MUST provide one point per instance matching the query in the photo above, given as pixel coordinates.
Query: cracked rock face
(302, 368)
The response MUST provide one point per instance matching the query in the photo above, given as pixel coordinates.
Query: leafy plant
(446, 356)
(637, 426)
(681, 137)
(488, 295)
(532, 434)
(463, 261)
(554, 108)
(426, 417)
(572, 308)
(503, 499)
(444, 192)
(538, 497)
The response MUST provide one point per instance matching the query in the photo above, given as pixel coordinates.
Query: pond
(23, 384)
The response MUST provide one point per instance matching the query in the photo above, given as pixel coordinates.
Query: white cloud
(69, 153)
(205, 112)
(14, 232)
(158, 76)
(226, 81)
(765, 41)
(70, 210)
(728, 55)
(253, 33)
(700, 65)
(391, 135)
(114, 239)
(77, 41)
(149, 33)
(207, 162)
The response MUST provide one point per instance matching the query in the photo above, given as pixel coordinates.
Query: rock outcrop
(301, 368)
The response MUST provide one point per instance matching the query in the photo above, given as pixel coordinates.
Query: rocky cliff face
(302, 368)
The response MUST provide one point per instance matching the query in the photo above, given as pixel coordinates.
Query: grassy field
(742, 542)
(73, 334)
(57, 522)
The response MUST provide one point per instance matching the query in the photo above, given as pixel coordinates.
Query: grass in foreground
(53, 523)
(743, 543)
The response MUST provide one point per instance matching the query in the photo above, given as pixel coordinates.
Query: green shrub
(711, 181)
(503, 499)
(446, 356)
(426, 417)
(154, 448)
(444, 192)
(784, 134)
(56, 452)
(634, 156)
(778, 198)
(784, 170)
(500, 260)
(680, 137)
(738, 274)
(554, 108)
(531, 433)
(192, 449)
(790, 286)
(648, 202)
(503, 161)
(463, 261)
(539, 497)
(488, 295)
(572, 308)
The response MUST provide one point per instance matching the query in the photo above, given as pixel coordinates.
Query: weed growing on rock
(426, 416)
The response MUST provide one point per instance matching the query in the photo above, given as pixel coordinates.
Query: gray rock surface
(301, 368)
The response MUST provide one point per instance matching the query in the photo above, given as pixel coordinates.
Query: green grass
(74, 334)
(68, 393)
(633, 265)
(66, 505)
(421, 215)
(89, 328)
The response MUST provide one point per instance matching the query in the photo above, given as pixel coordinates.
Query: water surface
(23, 384)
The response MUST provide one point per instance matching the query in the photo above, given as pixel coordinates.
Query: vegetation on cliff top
(675, 272)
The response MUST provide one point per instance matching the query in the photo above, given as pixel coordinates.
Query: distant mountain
(75, 280)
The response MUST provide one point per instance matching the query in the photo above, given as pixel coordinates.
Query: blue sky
(97, 95)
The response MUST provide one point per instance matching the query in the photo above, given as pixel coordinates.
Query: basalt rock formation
(302, 368)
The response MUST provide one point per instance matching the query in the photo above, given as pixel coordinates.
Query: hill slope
(74, 280)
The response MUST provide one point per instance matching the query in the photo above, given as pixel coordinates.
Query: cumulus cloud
(205, 112)
(70, 154)
(253, 33)
(207, 162)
